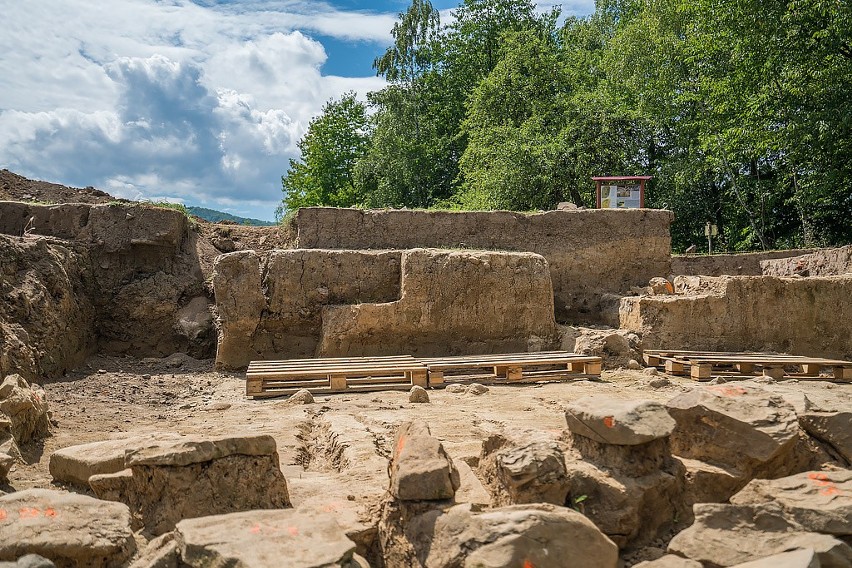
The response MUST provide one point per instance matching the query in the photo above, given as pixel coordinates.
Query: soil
(113, 395)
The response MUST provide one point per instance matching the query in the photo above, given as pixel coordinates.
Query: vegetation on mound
(742, 112)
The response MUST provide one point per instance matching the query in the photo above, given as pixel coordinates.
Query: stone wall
(826, 262)
(802, 316)
(143, 267)
(742, 264)
(334, 303)
(590, 252)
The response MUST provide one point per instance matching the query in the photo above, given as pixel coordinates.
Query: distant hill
(217, 216)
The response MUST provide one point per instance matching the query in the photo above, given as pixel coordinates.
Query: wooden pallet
(511, 368)
(704, 365)
(322, 376)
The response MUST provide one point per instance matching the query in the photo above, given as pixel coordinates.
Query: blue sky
(194, 102)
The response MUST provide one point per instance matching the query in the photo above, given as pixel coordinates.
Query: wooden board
(506, 368)
(704, 365)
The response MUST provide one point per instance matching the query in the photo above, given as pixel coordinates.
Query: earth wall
(802, 316)
(824, 262)
(335, 303)
(741, 264)
(590, 253)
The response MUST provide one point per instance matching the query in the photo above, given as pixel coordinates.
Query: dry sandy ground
(334, 452)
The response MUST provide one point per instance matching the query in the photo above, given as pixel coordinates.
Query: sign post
(621, 192)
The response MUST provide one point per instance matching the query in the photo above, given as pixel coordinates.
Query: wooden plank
(514, 373)
(745, 368)
(542, 362)
(333, 371)
(327, 391)
(651, 360)
(419, 378)
(592, 368)
(775, 372)
(842, 373)
(674, 367)
(811, 368)
(700, 372)
(576, 366)
(326, 363)
(337, 382)
(436, 378)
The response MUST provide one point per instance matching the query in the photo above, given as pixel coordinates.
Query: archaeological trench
(126, 438)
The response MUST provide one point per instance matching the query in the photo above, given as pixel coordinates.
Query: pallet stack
(322, 376)
(704, 365)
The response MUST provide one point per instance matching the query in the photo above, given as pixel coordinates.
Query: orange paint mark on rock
(50, 512)
(727, 390)
(830, 490)
(255, 529)
(400, 444)
(28, 512)
(609, 422)
(817, 476)
(294, 531)
(3, 514)
(528, 564)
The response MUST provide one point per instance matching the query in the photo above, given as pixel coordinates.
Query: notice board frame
(599, 182)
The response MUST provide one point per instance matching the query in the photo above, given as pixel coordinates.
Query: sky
(196, 102)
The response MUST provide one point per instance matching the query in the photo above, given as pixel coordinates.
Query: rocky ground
(506, 447)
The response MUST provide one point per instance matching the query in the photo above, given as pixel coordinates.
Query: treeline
(740, 109)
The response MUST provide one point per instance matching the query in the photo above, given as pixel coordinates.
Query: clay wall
(143, 267)
(47, 323)
(742, 264)
(335, 303)
(802, 316)
(825, 262)
(590, 252)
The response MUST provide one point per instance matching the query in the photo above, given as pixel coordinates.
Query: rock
(301, 396)
(476, 389)
(456, 388)
(802, 558)
(820, 501)
(523, 473)
(76, 464)
(669, 561)
(707, 483)
(661, 286)
(622, 422)
(633, 365)
(172, 480)
(186, 451)
(541, 535)
(418, 394)
(799, 401)
(652, 371)
(727, 535)
(615, 346)
(26, 407)
(735, 425)
(630, 509)
(301, 538)
(70, 529)
(833, 428)
(29, 561)
(217, 406)
(659, 383)
(6, 463)
(420, 469)
(162, 552)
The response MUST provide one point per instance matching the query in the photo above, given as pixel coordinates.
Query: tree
(330, 148)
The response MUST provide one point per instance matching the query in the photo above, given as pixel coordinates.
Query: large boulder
(544, 536)
(820, 501)
(26, 406)
(167, 481)
(727, 535)
(420, 469)
(297, 538)
(800, 558)
(517, 473)
(67, 528)
(610, 420)
(734, 433)
(76, 464)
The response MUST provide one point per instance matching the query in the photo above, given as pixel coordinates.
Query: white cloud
(199, 102)
(177, 100)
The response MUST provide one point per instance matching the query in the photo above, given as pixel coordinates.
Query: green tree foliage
(334, 142)
(740, 109)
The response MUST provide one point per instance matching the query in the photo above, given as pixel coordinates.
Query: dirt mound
(18, 188)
